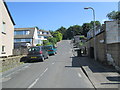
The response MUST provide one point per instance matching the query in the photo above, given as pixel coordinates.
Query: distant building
(43, 35)
(6, 30)
(26, 36)
(79, 38)
(30, 36)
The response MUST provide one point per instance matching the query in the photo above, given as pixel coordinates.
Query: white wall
(6, 39)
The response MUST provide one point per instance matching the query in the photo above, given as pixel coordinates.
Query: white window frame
(3, 49)
(3, 27)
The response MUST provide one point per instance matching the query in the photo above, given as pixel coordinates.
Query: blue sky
(53, 15)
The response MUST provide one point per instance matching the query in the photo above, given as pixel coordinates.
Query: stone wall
(113, 43)
(113, 54)
(100, 43)
(10, 62)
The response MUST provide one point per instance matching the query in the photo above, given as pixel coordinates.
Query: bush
(38, 45)
(52, 40)
(46, 42)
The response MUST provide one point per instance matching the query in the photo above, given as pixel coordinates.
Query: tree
(38, 45)
(46, 42)
(114, 15)
(85, 28)
(62, 30)
(74, 30)
(52, 40)
(57, 35)
(97, 23)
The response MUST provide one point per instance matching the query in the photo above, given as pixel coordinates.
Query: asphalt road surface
(59, 71)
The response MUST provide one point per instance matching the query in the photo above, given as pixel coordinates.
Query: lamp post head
(88, 8)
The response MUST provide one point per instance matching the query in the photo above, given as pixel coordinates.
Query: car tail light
(41, 52)
(50, 50)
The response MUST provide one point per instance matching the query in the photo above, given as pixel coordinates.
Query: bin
(79, 53)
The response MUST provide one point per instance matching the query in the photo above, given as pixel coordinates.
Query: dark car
(52, 50)
(37, 53)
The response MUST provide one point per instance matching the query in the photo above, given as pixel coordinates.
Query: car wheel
(55, 52)
(42, 59)
(47, 56)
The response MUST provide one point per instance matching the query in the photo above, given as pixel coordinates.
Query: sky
(53, 15)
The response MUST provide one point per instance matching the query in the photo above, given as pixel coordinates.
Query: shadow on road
(75, 62)
(25, 60)
(95, 67)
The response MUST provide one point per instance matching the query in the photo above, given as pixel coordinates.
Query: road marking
(37, 79)
(53, 63)
(33, 83)
(79, 75)
(43, 72)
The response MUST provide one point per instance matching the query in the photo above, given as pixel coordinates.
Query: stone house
(113, 43)
(107, 42)
(6, 30)
(100, 43)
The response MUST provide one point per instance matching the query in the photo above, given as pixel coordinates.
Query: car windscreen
(34, 49)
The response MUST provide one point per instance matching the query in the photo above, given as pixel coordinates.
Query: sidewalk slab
(101, 76)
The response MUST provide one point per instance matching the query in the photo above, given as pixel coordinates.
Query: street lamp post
(94, 29)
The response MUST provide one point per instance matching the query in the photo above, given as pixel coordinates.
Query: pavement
(101, 76)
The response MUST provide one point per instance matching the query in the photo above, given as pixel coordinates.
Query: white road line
(33, 83)
(37, 79)
(43, 72)
(53, 63)
(79, 75)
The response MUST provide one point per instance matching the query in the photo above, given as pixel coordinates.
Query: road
(59, 71)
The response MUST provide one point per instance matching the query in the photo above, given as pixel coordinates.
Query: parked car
(52, 50)
(37, 53)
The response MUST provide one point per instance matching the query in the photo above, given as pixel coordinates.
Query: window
(22, 40)
(21, 32)
(3, 49)
(45, 37)
(3, 27)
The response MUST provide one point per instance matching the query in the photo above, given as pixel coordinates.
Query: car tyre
(42, 59)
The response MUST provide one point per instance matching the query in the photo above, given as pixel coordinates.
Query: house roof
(43, 31)
(9, 12)
(30, 35)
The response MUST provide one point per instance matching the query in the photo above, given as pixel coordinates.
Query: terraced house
(6, 30)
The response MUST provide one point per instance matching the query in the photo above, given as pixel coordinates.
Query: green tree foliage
(114, 15)
(57, 35)
(46, 42)
(38, 45)
(62, 30)
(52, 40)
(74, 30)
(97, 23)
(85, 28)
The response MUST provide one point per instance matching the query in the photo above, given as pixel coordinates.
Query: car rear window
(34, 49)
(49, 47)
